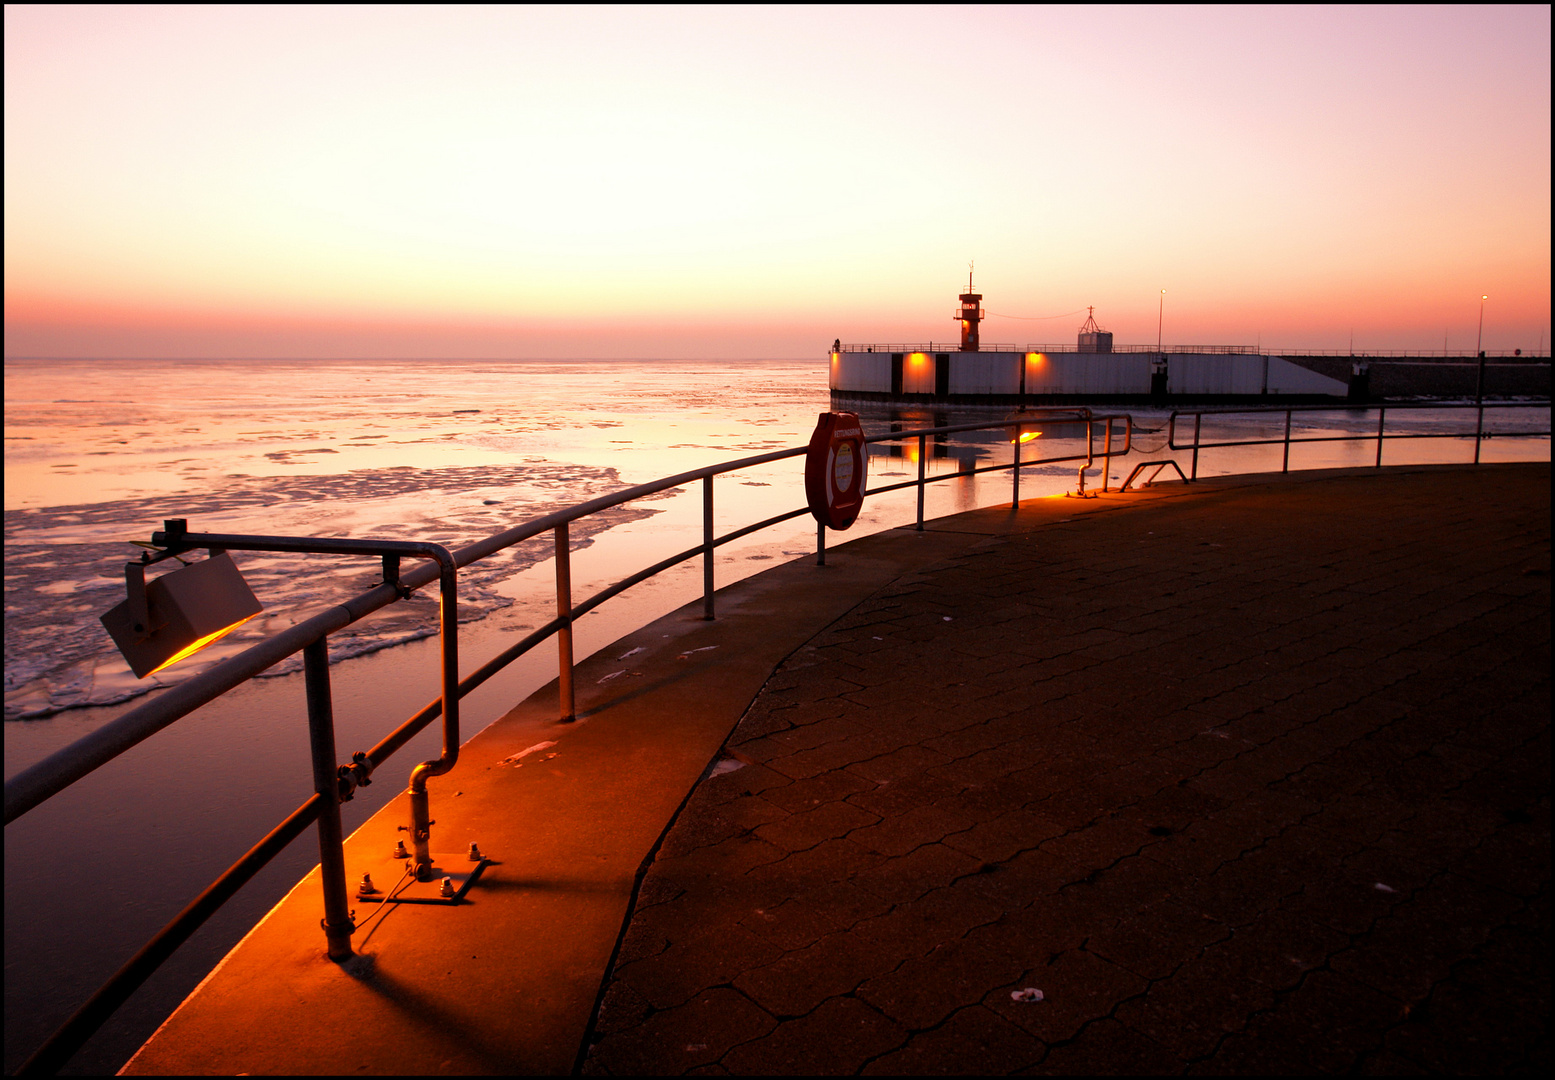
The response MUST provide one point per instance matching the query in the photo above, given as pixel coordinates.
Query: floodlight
(178, 614)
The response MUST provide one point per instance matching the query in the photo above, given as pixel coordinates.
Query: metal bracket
(355, 775)
(135, 587)
(456, 868)
(391, 576)
(350, 922)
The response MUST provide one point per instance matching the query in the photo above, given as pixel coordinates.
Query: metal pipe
(448, 635)
(922, 465)
(566, 704)
(707, 547)
(962, 474)
(338, 926)
(1381, 418)
(820, 543)
(178, 539)
(1285, 463)
(1015, 473)
(73, 1034)
(1479, 382)
(1198, 418)
(1106, 455)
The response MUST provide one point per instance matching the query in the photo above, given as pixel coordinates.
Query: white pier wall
(1192, 373)
(1087, 373)
(869, 372)
(1083, 374)
(985, 373)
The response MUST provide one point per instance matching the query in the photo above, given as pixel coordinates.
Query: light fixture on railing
(176, 615)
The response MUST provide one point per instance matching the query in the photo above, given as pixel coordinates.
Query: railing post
(564, 632)
(1015, 491)
(1479, 393)
(1198, 418)
(922, 464)
(707, 547)
(1106, 457)
(1381, 414)
(338, 926)
(820, 543)
(1285, 465)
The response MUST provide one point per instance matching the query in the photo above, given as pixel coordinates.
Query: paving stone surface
(1251, 781)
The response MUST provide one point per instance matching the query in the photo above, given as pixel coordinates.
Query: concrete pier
(1250, 775)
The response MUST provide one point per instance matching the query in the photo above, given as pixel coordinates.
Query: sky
(755, 182)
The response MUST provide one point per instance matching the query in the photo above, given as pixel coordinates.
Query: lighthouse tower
(969, 314)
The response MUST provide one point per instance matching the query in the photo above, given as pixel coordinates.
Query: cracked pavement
(1253, 781)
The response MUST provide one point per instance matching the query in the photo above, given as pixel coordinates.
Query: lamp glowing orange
(184, 612)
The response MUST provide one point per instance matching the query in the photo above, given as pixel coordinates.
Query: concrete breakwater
(1443, 377)
(1009, 376)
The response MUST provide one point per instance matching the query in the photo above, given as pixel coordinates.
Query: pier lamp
(178, 614)
(1022, 427)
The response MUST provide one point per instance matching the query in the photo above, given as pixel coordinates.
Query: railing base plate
(386, 871)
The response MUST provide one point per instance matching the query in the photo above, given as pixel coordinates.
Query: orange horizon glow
(739, 183)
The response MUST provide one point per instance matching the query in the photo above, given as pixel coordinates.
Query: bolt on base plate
(456, 866)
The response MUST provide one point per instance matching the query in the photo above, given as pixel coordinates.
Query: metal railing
(923, 347)
(333, 784)
(1477, 433)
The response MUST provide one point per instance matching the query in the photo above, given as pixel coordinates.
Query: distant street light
(1159, 314)
(1479, 342)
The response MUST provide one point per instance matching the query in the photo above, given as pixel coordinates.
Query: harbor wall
(1044, 374)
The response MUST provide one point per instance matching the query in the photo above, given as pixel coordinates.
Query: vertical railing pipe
(1198, 418)
(1015, 472)
(338, 926)
(1285, 464)
(820, 543)
(1479, 391)
(567, 705)
(922, 464)
(1106, 457)
(1381, 417)
(707, 547)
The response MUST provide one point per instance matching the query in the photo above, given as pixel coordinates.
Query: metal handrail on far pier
(1477, 433)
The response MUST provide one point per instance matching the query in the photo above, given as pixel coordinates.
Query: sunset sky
(754, 182)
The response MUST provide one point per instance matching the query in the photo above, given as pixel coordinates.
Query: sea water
(99, 453)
